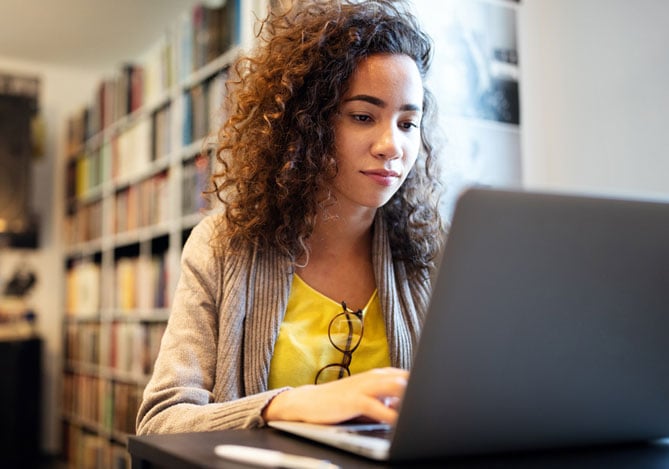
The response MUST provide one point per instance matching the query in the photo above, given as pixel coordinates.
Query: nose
(387, 143)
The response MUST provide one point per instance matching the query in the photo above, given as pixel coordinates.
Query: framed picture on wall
(475, 78)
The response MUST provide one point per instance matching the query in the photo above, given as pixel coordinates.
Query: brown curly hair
(275, 152)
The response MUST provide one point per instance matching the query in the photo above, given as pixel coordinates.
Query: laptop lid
(548, 327)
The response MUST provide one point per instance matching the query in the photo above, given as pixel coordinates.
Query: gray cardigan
(213, 366)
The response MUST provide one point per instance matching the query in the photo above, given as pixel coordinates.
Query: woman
(328, 186)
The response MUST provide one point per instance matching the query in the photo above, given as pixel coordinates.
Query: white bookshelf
(110, 335)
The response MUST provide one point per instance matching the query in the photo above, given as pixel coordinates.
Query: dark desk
(196, 450)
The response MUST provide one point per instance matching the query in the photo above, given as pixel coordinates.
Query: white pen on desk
(270, 458)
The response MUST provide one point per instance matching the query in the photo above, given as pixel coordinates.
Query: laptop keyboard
(376, 430)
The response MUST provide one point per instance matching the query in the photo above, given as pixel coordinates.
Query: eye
(408, 125)
(361, 117)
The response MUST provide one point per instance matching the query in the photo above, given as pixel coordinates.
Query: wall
(61, 91)
(594, 96)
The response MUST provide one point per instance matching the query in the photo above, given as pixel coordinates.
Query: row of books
(206, 32)
(126, 398)
(129, 347)
(110, 406)
(131, 152)
(201, 35)
(85, 450)
(128, 154)
(140, 284)
(143, 204)
(203, 108)
(82, 342)
(134, 346)
(83, 222)
(88, 171)
(83, 397)
(114, 98)
(195, 180)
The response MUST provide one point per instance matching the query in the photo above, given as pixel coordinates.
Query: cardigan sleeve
(180, 394)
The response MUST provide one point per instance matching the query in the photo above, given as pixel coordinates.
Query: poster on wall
(475, 81)
(18, 107)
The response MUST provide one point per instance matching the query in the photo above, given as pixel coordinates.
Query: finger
(377, 410)
(390, 371)
(383, 384)
(393, 402)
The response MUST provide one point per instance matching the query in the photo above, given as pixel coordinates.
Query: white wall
(62, 91)
(595, 95)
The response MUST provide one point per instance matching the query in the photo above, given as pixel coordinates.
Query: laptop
(548, 327)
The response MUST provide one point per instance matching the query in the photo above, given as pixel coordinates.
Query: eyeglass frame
(348, 352)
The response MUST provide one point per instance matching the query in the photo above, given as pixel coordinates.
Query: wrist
(285, 405)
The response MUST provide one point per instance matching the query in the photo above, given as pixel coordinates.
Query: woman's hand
(373, 395)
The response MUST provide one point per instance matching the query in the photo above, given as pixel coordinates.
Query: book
(199, 110)
(126, 276)
(161, 136)
(215, 29)
(216, 113)
(187, 120)
(82, 296)
(230, 24)
(185, 44)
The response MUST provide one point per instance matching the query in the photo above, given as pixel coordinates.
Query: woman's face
(377, 130)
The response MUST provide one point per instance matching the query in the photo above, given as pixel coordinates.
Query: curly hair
(275, 151)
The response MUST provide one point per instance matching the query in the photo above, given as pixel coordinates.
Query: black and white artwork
(475, 79)
(18, 96)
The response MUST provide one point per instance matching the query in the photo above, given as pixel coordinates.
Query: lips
(382, 177)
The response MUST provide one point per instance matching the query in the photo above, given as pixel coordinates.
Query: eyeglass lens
(345, 331)
(345, 334)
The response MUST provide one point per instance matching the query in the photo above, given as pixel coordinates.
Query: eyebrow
(381, 103)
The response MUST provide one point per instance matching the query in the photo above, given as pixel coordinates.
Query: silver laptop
(548, 327)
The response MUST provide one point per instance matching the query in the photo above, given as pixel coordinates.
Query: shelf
(132, 196)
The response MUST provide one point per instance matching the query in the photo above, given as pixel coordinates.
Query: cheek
(347, 141)
(348, 151)
(412, 153)
(342, 142)
(409, 166)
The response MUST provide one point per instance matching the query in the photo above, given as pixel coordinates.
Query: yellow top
(302, 347)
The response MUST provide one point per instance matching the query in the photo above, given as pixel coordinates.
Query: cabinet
(134, 174)
(20, 402)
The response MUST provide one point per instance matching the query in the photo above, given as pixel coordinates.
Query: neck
(339, 236)
(339, 264)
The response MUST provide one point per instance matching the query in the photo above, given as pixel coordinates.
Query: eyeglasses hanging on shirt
(345, 334)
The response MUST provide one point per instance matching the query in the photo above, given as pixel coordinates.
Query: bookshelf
(135, 169)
